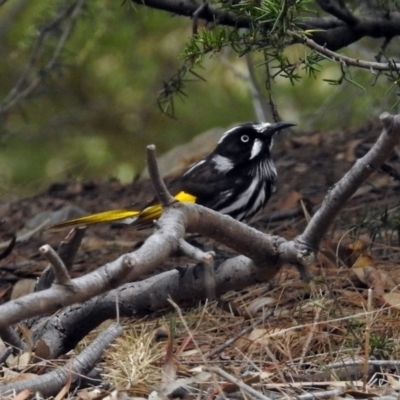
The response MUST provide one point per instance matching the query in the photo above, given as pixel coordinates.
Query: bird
(237, 179)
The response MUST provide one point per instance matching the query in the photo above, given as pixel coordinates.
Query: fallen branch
(50, 384)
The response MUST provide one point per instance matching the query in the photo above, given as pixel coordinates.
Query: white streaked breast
(243, 199)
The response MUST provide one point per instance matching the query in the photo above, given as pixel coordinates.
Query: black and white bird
(236, 179)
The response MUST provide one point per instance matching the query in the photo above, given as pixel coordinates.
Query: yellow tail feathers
(141, 218)
(106, 216)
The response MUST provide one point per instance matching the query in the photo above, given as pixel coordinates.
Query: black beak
(275, 127)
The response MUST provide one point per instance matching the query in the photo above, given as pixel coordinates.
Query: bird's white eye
(244, 138)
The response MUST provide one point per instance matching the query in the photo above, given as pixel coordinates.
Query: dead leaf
(393, 382)
(392, 299)
(20, 362)
(371, 277)
(364, 258)
(290, 201)
(351, 146)
(23, 287)
(260, 303)
(42, 351)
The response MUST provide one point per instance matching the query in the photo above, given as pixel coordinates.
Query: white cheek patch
(222, 164)
(255, 150)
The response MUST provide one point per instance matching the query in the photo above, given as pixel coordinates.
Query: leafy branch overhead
(273, 27)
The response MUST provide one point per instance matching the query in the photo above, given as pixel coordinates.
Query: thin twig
(268, 85)
(162, 193)
(7, 251)
(372, 66)
(60, 271)
(368, 324)
(310, 336)
(67, 252)
(195, 16)
(222, 347)
(18, 92)
(321, 395)
(258, 99)
(11, 338)
(385, 44)
(195, 253)
(240, 384)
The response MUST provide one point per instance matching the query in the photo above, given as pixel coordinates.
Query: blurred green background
(96, 113)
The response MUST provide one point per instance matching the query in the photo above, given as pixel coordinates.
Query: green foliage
(98, 108)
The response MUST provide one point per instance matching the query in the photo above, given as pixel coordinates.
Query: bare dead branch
(348, 61)
(5, 354)
(50, 384)
(323, 394)
(7, 251)
(268, 85)
(23, 88)
(258, 99)
(331, 32)
(195, 17)
(70, 246)
(60, 271)
(10, 337)
(67, 252)
(217, 350)
(138, 299)
(162, 193)
(347, 186)
(195, 253)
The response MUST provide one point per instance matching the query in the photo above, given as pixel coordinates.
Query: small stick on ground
(240, 384)
(207, 266)
(10, 337)
(67, 252)
(60, 270)
(162, 193)
(50, 384)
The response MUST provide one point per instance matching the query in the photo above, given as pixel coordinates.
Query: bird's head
(247, 142)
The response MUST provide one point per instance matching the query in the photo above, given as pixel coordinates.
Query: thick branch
(332, 32)
(187, 8)
(50, 384)
(184, 285)
(343, 190)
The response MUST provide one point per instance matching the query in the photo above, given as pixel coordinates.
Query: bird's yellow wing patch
(154, 212)
(185, 197)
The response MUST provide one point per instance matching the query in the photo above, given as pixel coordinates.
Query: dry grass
(290, 342)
